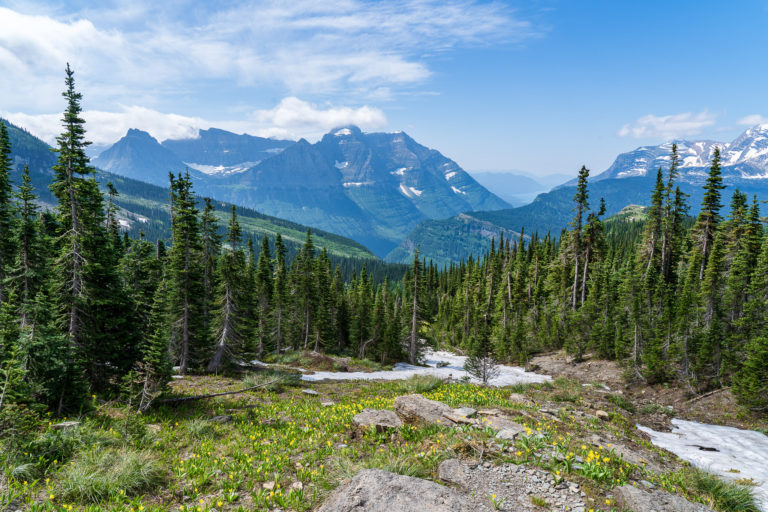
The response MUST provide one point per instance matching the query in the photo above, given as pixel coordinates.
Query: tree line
(675, 299)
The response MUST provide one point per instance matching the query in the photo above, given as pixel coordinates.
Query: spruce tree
(229, 319)
(264, 294)
(6, 210)
(189, 340)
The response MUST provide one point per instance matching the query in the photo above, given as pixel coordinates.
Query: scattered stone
(416, 409)
(309, 391)
(374, 490)
(329, 403)
(224, 418)
(64, 425)
(489, 412)
(633, 498)
(268, 485)
(382, 420)
(602, 415)
(647, 484)
(297, 486)
(154, 428)
(510, 433)
(519, 398)
(452, 471)
(467, 412)
(457, 417)
(498, 424)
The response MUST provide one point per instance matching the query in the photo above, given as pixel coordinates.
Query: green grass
(725, 496)
(421, 384)
(98, 475)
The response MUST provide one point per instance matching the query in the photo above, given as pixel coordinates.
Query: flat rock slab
(309, 391)
(381, 420)
(499, 423)
(415, 409)
(374, 490)
(633, 498)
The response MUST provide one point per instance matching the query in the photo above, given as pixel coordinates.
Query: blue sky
(541, 86)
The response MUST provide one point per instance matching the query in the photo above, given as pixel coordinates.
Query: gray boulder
(452, 471)
(632, 498)
(415, 409)
(374, 490)
(382, 420)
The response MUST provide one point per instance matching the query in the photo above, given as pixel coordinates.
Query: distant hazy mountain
(138, 155)
(371, 187)
(627, 181)
(517, 187)
(217, 151)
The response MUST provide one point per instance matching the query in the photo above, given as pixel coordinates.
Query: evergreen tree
(7, 215)
(189, 340)
(264, 293)
(229, 317)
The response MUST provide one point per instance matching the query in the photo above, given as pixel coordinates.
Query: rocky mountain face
(371, 187)
(143, 207)
(628, 180)
(745, 159)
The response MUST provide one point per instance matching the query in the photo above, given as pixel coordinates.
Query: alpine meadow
(200, 319)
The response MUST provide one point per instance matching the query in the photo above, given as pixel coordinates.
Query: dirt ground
(653, 406)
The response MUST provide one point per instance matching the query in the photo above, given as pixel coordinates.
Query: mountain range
(144, 207)
(628, 180)
(371, 187)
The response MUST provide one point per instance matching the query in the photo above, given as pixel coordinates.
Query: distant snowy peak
(746, 157)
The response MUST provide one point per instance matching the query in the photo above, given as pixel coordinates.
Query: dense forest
(86, 309)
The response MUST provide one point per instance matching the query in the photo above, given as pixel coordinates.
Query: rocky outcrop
(374, 490)
(632, 498)
(381, 420)
(417, 410)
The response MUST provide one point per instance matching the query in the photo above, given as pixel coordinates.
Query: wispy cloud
(668, 127)
(152, 49)
(753, 119)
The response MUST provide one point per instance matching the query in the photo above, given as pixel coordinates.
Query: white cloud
(753, 119)
(296, 117)
(668, 127)
(157, 50)
(291, 118)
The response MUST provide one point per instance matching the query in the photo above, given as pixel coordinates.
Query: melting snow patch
(356, 183)
(400, 171)
(450, 175)
(341, 165)
(743, 450)
(343, 131)
(457, 190)
(440, 364)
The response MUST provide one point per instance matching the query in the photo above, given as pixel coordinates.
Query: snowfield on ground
(508, 375)
(742, 450)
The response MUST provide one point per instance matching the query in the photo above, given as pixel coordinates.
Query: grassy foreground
(279, 447)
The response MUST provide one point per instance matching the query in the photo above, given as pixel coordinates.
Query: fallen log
(212, 395)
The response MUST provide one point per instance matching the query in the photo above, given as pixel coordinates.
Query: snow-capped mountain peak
(746, 157)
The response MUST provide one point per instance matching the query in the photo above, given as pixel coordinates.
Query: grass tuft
(421, 384)
(95, 476)
(725, 496)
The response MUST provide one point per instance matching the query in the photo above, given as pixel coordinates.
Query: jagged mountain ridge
(144, 207)
(371, 187)
(628, 180)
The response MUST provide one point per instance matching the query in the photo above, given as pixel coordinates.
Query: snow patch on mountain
(343, 132)
(221, 170)
(450, 175)
(458, 190)
(341, 165)
(410, 192)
